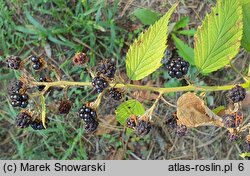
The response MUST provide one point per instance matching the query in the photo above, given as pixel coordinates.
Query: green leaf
(217, 41)
(127, 108)
(145, 54)
(246, 25)
(146, 16)
(243, 155)
(184, 50)
(183, 22)
(218, 109)
(189, 32)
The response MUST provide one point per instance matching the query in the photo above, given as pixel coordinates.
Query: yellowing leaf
(145, 54)
(217, 41)
(43, 111)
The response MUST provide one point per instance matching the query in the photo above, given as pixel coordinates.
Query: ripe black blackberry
(13, 62)
(181, 130)
(37, 125)
(64, 106)
(115, 94)
(23, 120)
(19, 100)
(171, 121)
(233, 137)
(143, 127)
(91, 127)
(15, 86)
(99, 84)
(37, 64)
(177, 67)
(237, 94)
(87, 114)
(107, 68)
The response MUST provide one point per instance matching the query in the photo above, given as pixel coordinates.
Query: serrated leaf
(127, 108)
(184, 50)
(246, 25)
(183, 22)
(146, 16)
(217, 41)
(145, 54)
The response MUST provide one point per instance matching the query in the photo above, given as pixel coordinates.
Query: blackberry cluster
(99, 84)
(37, 125)
(237, 94)
(23, 120)
(89, 116)
(143, 127)
(37, 64)
(19, 100)
(13, 62)
(177, 67)
(107, 68)
(15, 86)
(64, 107)
(233, 137)
(232, 120)
(115, 94)
(181, 130)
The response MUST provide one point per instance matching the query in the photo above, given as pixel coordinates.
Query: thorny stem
(147, 88)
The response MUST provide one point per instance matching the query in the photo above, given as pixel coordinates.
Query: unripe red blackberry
(237, 94)
(143, 127)
(80, 58)
(91, 127)
(232, 120)
(37, 125)
(88, 114)
(177, 67)
(115, 94)
(233, 137)
(13, 62)
(23, 120)
(131, 122)
(107, 68)
(64, 107)
(99, 84)
(181, 130)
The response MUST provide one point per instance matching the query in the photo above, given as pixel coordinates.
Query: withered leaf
(192, 112)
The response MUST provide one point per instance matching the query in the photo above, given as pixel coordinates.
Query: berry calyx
(115, 94)
(23, 120)
(13, 62)
(131, 121)
(177, 67)
(64, 106)
(99, 84)
(237, 94)
(107, 68)
(181, 130)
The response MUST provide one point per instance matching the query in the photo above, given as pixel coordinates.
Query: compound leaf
(127, 108)
(218, 40)
(145, 54)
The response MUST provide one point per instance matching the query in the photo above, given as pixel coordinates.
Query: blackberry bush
(237, 94)
(177, 67)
